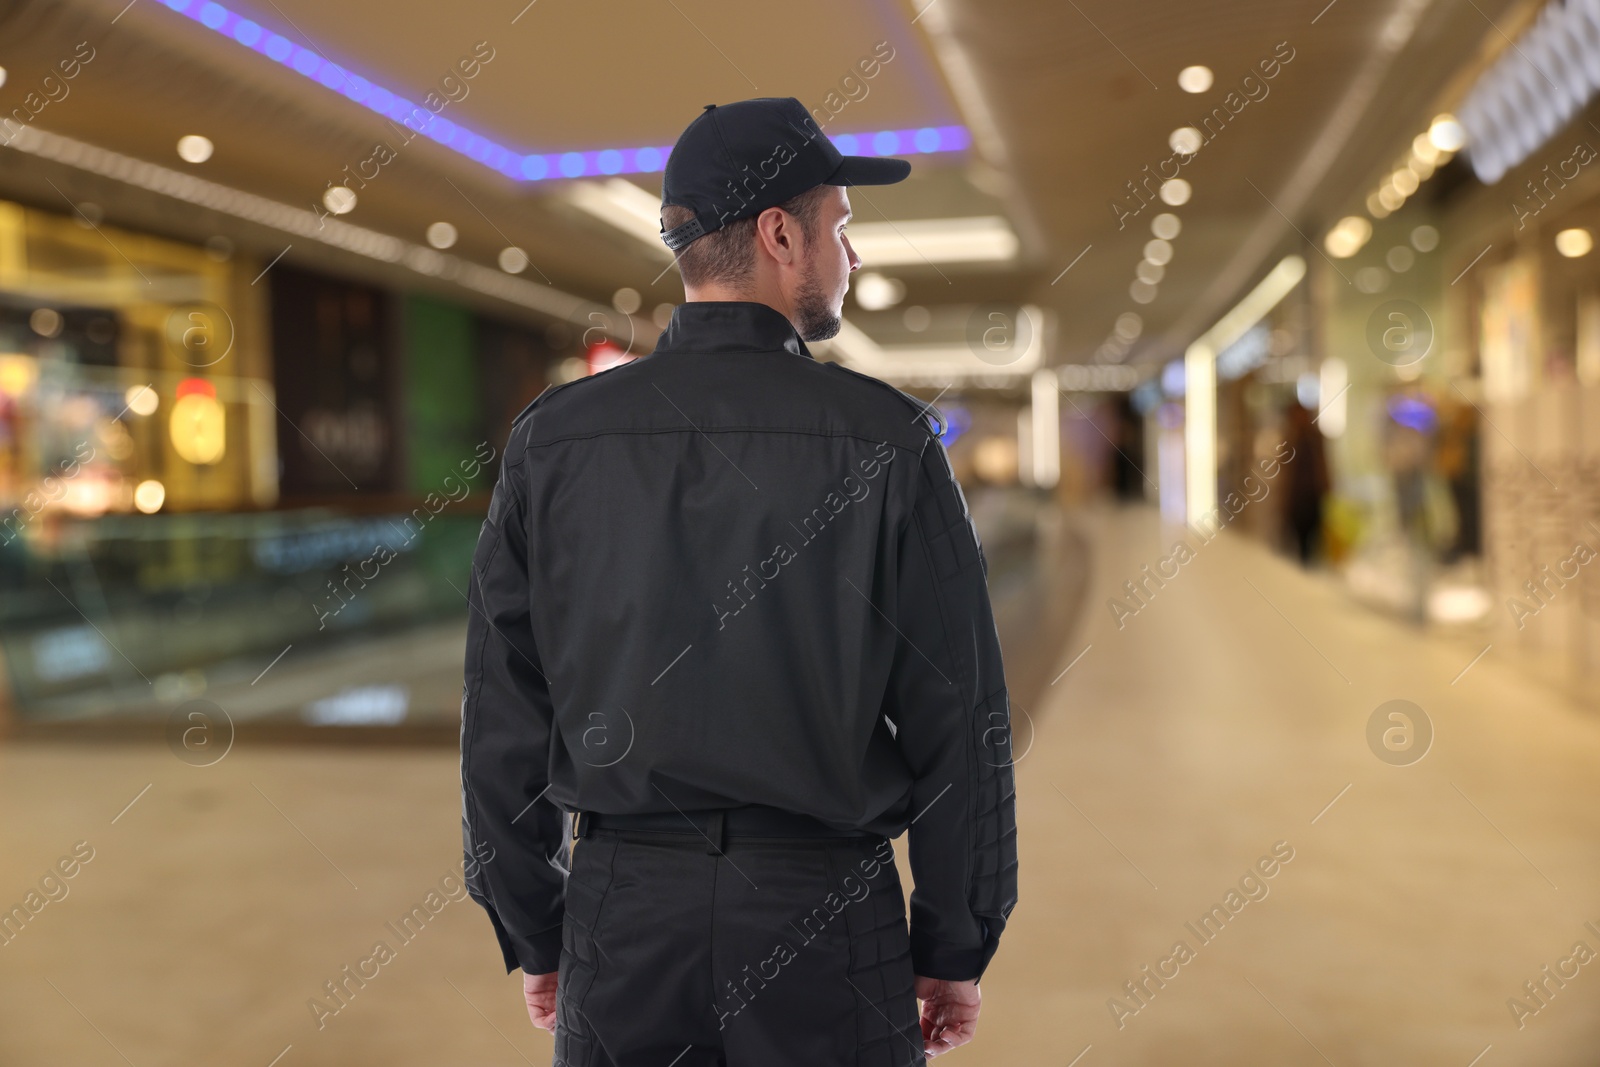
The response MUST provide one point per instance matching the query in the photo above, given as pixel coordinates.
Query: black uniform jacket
(724, 574)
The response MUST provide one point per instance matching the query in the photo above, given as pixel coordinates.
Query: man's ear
(777, 235)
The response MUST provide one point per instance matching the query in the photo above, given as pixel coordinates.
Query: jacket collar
(708, 326)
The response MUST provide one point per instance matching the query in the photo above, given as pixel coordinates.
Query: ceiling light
(920, 242)
(1166, 226)
(1196, 79)
(513, 260)
(1346, 239)
(1420, 167)
(1446, 133)
(662, 315)
(441, 235)
(339, 200)
(194, 148)
(1142, 292)
(1424, 238)
(1376, 207)
(1390, 197)
(1158, 252)
(1129, 326)
(627, 300)
(46, 322)
(620, 203)
(149, 496)
(141, 400)
(2, 75)
(874, 292)
(1404, 182)
(1185, 140)
(1175, 191)
(1574, 243)
(1149, 272)
(916, 318)
(1426, 150)
(1400, 258)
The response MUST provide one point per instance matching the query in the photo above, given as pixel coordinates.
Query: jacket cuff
(538, 953)
(944, 960)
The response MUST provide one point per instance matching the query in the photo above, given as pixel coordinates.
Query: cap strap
(679, 236)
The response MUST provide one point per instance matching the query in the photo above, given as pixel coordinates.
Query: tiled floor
(1226, 716)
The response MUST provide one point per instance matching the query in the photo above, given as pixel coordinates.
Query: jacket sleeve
(512, 833)
(952, 719)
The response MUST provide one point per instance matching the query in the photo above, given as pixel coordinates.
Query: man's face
(825, 269)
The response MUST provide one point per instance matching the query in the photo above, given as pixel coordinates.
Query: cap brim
(869, 170)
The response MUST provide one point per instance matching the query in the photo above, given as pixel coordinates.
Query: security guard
(730, 635)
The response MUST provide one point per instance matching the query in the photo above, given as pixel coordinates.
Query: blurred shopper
(729, 614)
(1422, 499)
(1306, 485)
(1456, 458)
(1127, 458)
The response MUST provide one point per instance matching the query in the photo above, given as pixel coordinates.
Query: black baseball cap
(737, 160)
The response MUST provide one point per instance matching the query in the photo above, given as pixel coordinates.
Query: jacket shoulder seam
(922, 408)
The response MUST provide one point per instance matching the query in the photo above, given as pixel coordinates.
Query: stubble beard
(814, 310)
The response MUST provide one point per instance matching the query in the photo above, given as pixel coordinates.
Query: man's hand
(539, 990)
(949, 1013)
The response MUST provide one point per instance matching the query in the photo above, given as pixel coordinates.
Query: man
(729, 636)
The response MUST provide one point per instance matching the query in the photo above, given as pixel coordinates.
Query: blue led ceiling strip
(532, 167)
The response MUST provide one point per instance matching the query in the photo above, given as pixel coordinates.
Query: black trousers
(770, 953)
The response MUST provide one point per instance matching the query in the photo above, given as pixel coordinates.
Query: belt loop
(716, 842)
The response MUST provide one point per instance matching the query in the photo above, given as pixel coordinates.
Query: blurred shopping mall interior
(1267, 341)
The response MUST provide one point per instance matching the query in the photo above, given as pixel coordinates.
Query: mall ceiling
(1066, 103)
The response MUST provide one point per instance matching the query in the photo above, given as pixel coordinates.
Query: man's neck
(757, 294)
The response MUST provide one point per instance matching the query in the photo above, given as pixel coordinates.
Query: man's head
(754, 206)
(794, 257)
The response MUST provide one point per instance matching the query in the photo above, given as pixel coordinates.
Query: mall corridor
(1215, 742)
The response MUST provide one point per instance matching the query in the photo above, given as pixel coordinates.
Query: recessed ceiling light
(1424, 238)
(1346, 239)
(1158, 251)
(149, 496)
(1166, 226)
(1185, 140)
(874, 292)
(194, 149)
(1149, 272)
(1574, 243)
(46, 322)
(441, 235)
(1446, 133)
(142, 400)
(1129, 325)
(1400, 258)
(1376, 207)
(1196, 79)
(513, 260)
(627, 300)
(1175, 191)
(1142, 292)
(1404, 181)
(339, 200)
(916, 318)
